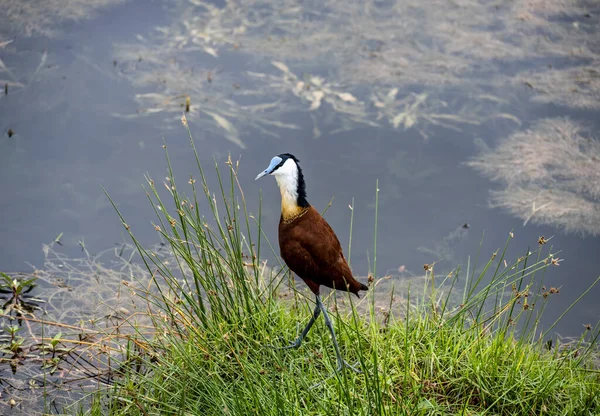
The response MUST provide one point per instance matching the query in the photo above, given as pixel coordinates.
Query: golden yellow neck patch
(290, 213)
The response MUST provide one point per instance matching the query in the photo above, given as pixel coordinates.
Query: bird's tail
(360, 286)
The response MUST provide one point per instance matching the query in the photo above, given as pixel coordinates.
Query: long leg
(298, 342)
(340, 361)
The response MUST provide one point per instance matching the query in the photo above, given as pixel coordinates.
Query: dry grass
(92, 304)
(550, 174)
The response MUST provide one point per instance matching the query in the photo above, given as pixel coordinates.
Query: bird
(309, 246)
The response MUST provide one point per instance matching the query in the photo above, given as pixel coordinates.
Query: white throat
(287, 179)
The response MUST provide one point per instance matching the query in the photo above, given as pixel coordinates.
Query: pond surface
(452, 107)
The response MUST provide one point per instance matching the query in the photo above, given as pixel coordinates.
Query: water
(93, 95)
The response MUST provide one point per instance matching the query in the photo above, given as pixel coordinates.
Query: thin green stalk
(351, 229)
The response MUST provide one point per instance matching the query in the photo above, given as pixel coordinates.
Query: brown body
(311, 249)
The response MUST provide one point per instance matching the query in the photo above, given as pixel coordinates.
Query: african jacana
(308, 245)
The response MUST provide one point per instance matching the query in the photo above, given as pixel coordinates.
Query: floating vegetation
(44, 17)
(317, 90)
(368, 41)
(444, 249)
(22, 78)
(7, 75)
(267, 97)
(550, 174)
(368, 61)
(577, 87)
(214, 61)
(420, 111)
(220, 105)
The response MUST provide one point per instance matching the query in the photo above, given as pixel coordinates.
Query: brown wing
(311, 249)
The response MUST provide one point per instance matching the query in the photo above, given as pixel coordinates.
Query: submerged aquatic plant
(216, 100)
(45, 17)
(368, 41)
(16, 80)
(424, 110)
(577, 87)
(550, 173)
(351, 55)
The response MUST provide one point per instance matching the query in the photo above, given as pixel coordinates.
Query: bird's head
(289, 177)
(283, 165)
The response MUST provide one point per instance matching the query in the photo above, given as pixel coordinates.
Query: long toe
(345, 364)
(295, 344)
(287, 347)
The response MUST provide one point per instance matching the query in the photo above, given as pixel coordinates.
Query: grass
(475, 348)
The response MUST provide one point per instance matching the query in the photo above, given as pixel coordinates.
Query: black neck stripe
(301, 186)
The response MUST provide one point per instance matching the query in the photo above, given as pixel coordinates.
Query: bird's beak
(274, 163)
(260, 175)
